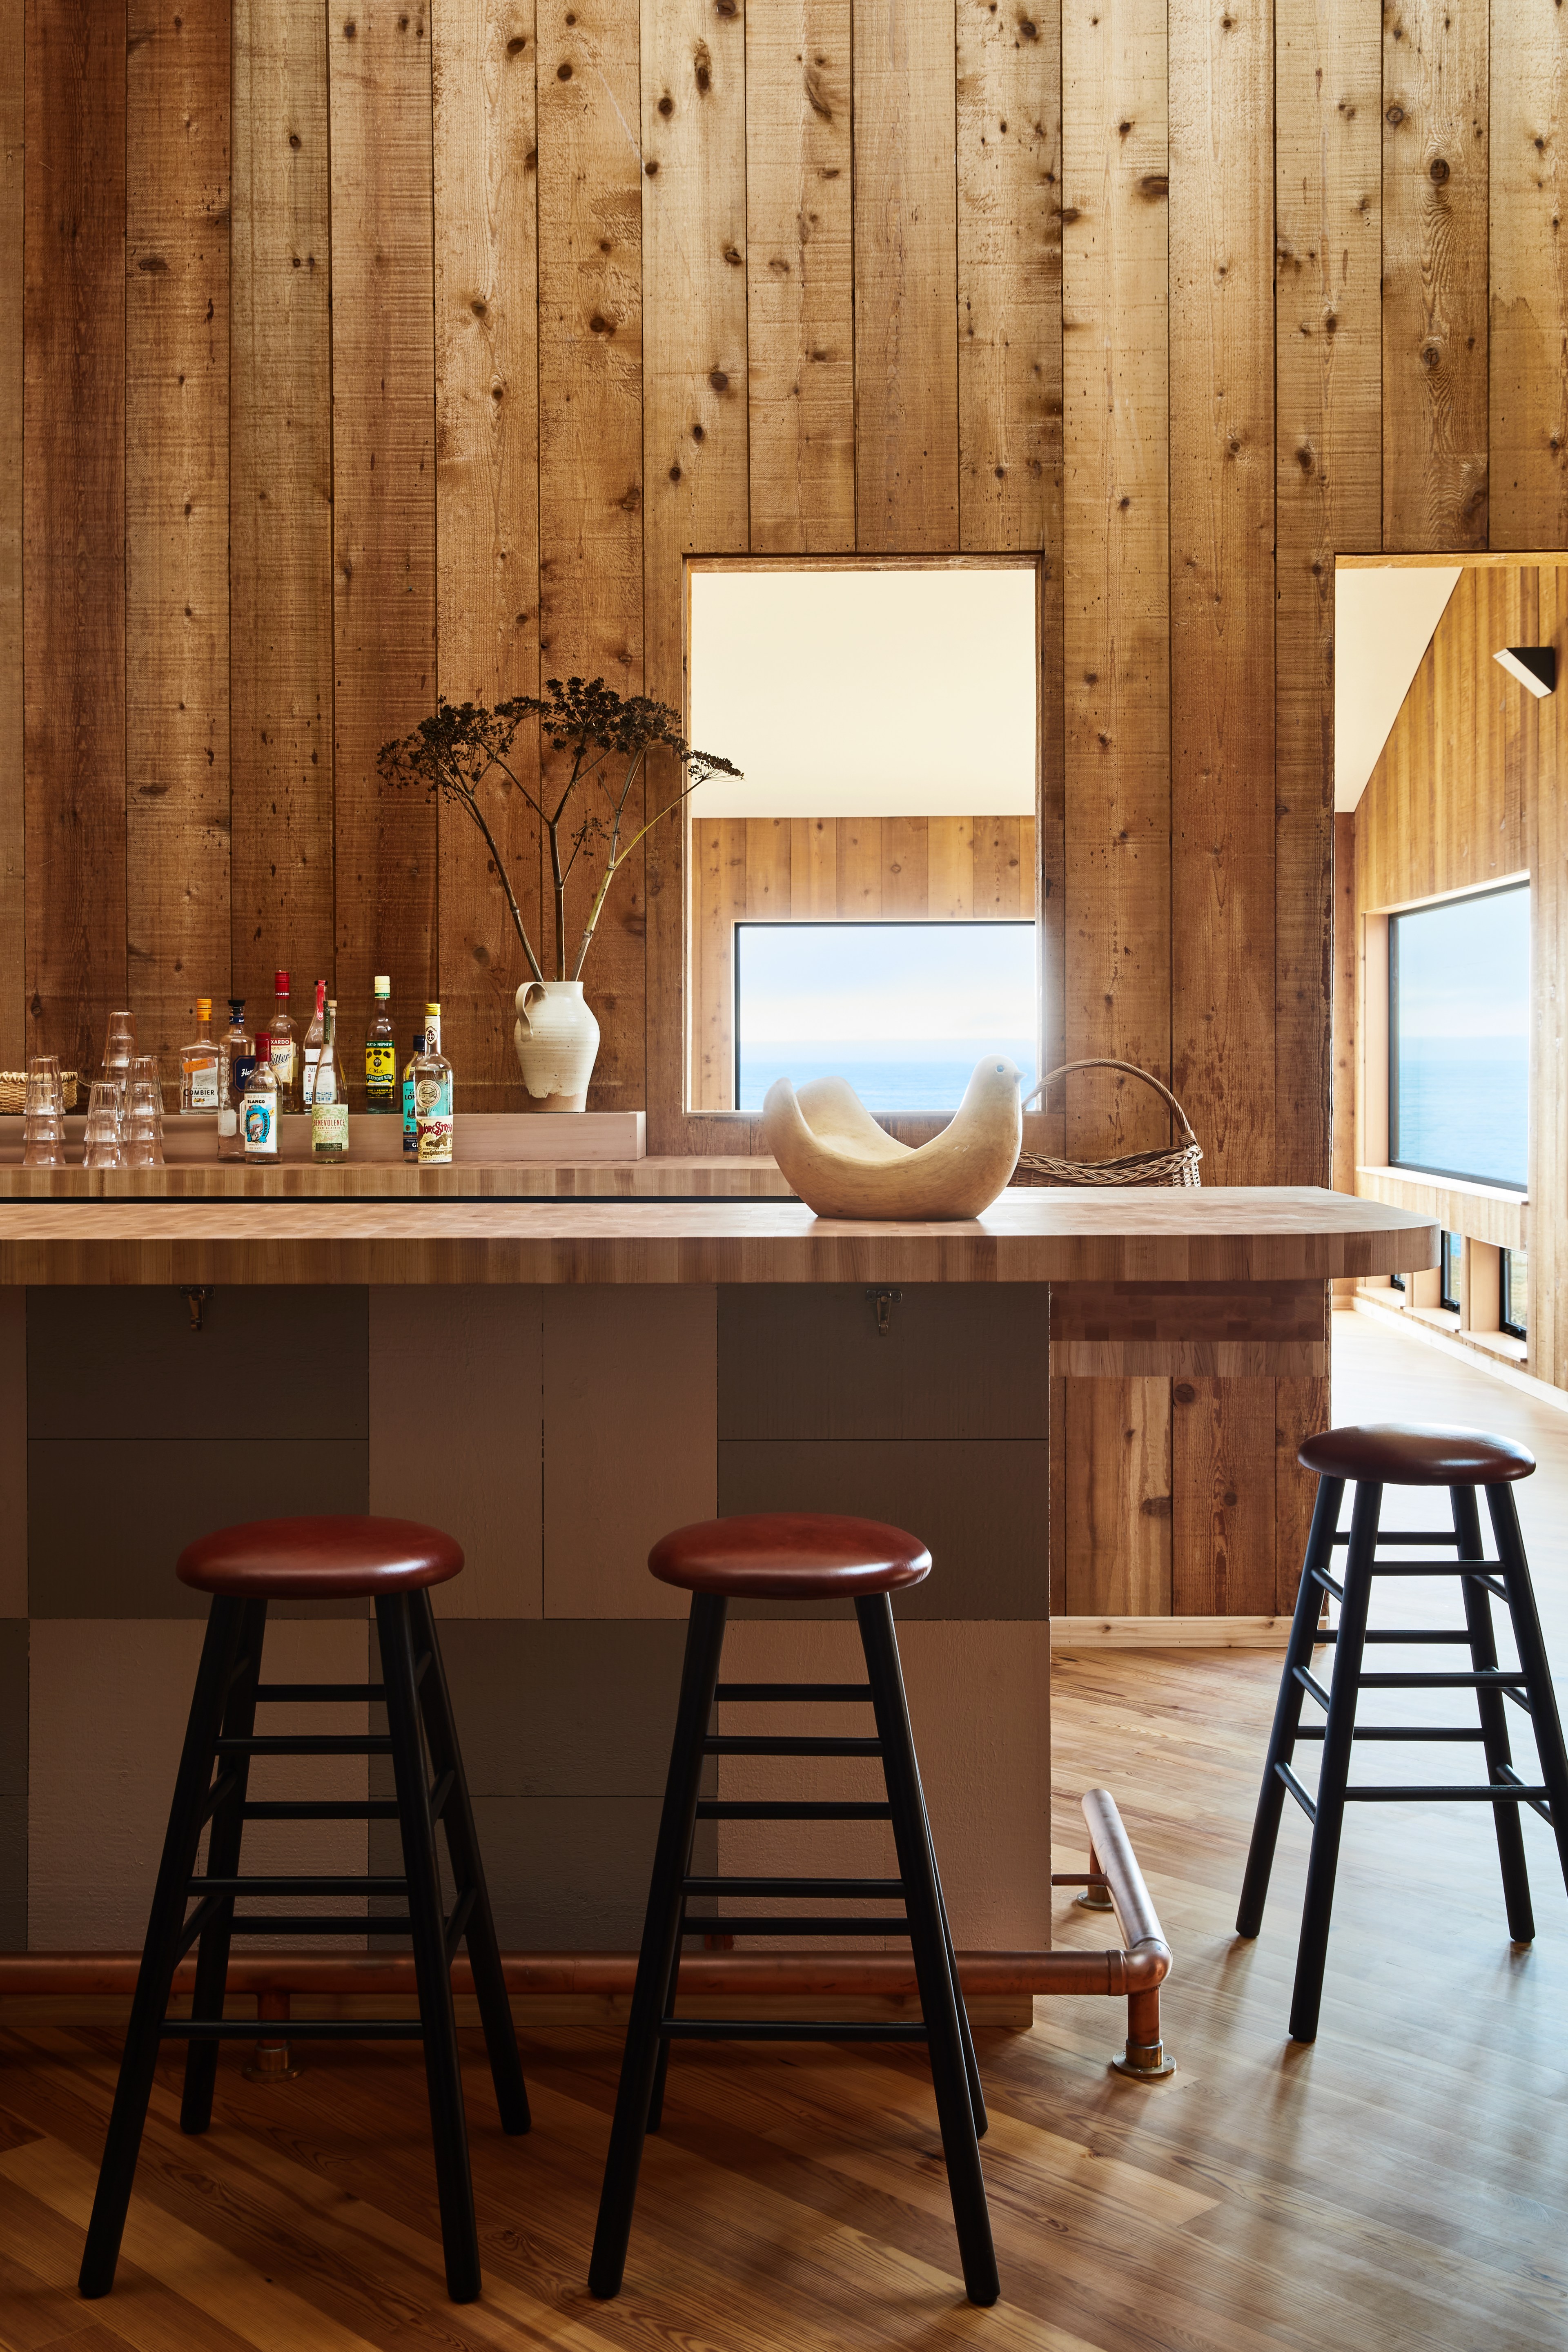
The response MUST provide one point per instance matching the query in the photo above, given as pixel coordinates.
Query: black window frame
(872, 923)
(1506, 1322)
(1422, 1167)
(1450, 1247)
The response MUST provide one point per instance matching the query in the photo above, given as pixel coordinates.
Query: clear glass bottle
(201, 1065)
(258, 1108)
(380, 1053)
(329, 1106)
(410, 1116)
(313, 1036)
(285, 1053)
(233, 1076)
(432, 1095)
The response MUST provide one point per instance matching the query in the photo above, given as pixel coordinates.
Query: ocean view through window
(1458, 1038)
(902, 1010)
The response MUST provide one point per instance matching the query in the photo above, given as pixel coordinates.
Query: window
(1459, 1041)
(1514, 1316)
(1450, 1267)
(885, 713)
(902, 1010)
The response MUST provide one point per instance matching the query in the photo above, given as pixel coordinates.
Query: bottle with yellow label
(380, 1053)
(432, 1095)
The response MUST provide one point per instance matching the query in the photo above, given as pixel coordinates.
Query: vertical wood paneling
(1528, 269)
(1546, 834)
(906, 305)
(590, 432)
(384, 501)
(719, 858)
(1223, 1448)
(280, 503)
(13, 899)
(74, 523)
(1222, 619)
(694, 408)
(1116, 1499)
(1116, 559)
(1435, 233)
(1345, 945)
(487, 498)
(1328, 155)
(800, 262)
(177, 515)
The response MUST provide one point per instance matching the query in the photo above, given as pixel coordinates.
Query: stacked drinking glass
(142, 1145)
(44, 1120)
(103, 1124)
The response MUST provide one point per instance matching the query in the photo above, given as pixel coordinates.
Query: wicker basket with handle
(13, 1090)
(1177, 1166)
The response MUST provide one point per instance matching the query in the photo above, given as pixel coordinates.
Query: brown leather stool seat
(789, 1555)
(1415, 1453)
(319, 1559)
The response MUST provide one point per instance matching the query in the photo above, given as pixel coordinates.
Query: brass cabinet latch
(883, 1301)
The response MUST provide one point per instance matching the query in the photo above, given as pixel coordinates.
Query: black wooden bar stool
(1389, 1454)
(394, 1562)
(791, 1556)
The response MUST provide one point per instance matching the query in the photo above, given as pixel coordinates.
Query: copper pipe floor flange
(1143, 2062)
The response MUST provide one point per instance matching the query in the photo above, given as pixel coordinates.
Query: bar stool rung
(782, 2028)
(306, 1923)
(310, 1743)
(844, 1888)
(298, 2028)
(1320, 1576)
(462, 1912)
(1393, 1634)
(1406, 1535)
(804, 1926)
(825, 1693)
(1417, 1733)
(326, 1694)
(1303, 1797)
(299, 1884)
(1473, 1678)
(765, 1809)
(1483, 1793)
(224, 1786)
(1310, 1682)
(320, 1809)
(440, 1793)
(725, 1744)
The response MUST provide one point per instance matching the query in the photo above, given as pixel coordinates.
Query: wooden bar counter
(557, 1364)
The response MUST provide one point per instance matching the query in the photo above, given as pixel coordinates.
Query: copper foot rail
(1134, 1971)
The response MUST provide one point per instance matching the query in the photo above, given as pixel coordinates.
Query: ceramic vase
(557, 1038)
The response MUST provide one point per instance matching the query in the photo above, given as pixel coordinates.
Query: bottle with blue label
(259, 1107)
(233, 1076)
(433, 1095)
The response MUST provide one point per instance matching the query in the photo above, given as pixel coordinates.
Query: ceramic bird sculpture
(843, 1165)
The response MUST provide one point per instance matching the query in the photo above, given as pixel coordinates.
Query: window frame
(876, 923)
(1450, 1247)
(1420, 1168)
(1506, 1322)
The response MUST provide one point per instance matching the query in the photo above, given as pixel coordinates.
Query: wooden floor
(1399, 2184)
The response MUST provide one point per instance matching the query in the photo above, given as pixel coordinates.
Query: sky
(903, 985)
(1464, 968)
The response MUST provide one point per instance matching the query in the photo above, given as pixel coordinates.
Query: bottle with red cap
(285, 1055)
(258, 1110)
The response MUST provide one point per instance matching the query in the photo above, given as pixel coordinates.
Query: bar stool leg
(1493, 1708)
(939, 1998)
(431, 1963)
(661, 1939)
(971, 2063)
(222, 1862)
(1543, 1714)
(1339, 1734)
(1287, 1707)
(137, 2067)
(468, 1871)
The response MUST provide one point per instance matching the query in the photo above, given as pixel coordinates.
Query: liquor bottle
(410, 1116)
(432, 1095)
(380, 1053)
(285, 1053)
(259, 1107)
(201, 1065)
(329, 1109)
(313, 1045)
(233, 1076)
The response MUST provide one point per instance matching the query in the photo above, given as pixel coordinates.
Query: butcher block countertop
(150, 1230)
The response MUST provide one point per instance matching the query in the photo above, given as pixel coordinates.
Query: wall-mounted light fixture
(1535, 666)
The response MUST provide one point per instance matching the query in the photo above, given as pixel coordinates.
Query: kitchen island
(557, 1380)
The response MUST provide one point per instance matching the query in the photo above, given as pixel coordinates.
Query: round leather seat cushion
(791, 1556)
(318, 1559)
(1416, 1454)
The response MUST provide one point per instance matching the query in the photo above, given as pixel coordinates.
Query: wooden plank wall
(521, 305)
(811, 869)
(1468, 791)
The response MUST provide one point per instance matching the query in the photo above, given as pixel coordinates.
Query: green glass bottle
(380, 1055)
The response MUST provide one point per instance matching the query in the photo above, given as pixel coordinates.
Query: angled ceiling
(1384, 620)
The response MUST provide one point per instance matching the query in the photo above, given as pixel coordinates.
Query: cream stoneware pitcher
(557, 1038)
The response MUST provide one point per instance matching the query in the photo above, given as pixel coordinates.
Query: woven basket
(1177, 1166)
(13, 1090)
